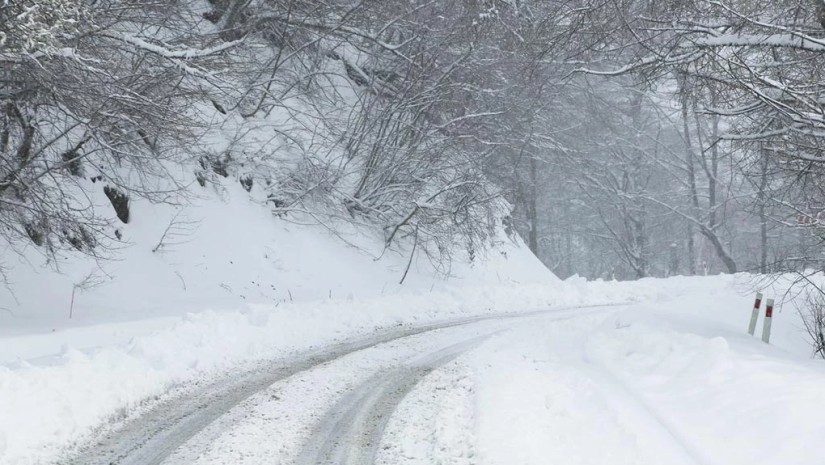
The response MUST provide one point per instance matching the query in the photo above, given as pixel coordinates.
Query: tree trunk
(691, 245)
(532, 207)
(730, 264)
(691, 170)
(763, 217)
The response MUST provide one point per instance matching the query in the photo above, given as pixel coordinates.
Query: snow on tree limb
(187, 54)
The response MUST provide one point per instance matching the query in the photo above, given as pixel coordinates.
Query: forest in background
(621, 139)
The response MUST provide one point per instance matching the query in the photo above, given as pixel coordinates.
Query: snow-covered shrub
(97, 92)
(813, 318)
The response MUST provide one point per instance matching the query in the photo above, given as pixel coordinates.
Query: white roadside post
(766, 330)
(755, 314)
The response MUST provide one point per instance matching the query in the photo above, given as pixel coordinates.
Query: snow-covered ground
(659, 371)
(634, 386)
(670, 375)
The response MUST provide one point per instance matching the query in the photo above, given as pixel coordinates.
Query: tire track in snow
(632, 405)
(153, 436)
(351, 432)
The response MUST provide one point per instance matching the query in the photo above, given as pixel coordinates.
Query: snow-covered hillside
(224, 250)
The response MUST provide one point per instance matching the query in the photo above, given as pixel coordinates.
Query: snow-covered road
(625, 385)
(371, 375)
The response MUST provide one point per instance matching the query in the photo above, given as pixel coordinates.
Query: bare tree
(93, 96)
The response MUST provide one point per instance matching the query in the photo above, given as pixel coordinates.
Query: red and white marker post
(766, 330)
(755, 313)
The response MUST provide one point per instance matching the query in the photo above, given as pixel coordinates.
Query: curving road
(348, 433)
